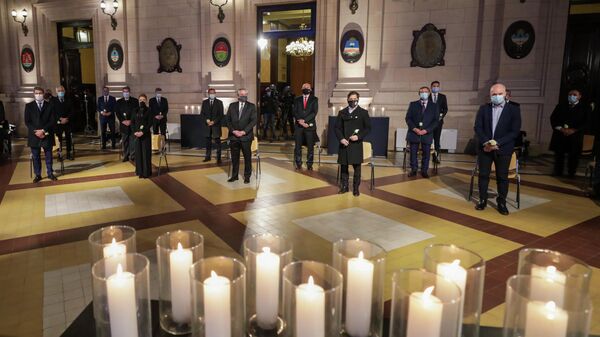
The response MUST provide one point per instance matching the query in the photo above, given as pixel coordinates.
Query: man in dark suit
(159, 108)
(64, 112)
(422, 118)
(509, 98)
(442, 103)
(268, 109)
(106, 107)
(4, 130)
(568, 122)
(306, 107)
(40, 120)
(241, 119)
(124, 111)
(212, 113)
(497, 126)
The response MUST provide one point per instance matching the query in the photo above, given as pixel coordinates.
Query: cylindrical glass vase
(112, 242)
(265, 256)
(553, 271)
(312, 299)
(122, 298)
(525, 316)
(176, 252)
(424, 304)
(218, 297)
(362, 264)
(467, 270)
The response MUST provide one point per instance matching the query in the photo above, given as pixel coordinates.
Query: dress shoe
(52, 177)
(37, 179)
(246, 180)
(481, 205)
(412, 173)
(69, 156)
(232, 179)
(502, 209)
(343, 189)
(425, 175)
(356, 191)
(310, 168)
(206, 160)
(298, 167)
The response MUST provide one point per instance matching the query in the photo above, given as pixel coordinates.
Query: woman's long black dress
(142, 121)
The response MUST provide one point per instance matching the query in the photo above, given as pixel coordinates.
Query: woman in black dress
(352, 125)
(142, 126)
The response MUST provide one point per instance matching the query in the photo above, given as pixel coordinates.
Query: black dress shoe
(481, 205)
(298, 167)
(412, 173)
(424, 175)
(502, 209)
(206, 160)
(232, 179)
(355, 191)
(246, 180)
(37, 179)
(52, 177)
(343, 189)
(309, 168)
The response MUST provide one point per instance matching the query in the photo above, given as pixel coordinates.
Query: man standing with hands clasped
(241, 119)
(440, 99)
(212, 115)
(40, 120)
(306, 107)
(159, 108)
(422, 118)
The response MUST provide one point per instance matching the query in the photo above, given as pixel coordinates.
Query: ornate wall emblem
(27, 59)
(428, 47)
(352, 46)
(519, 39)
(221, 52)
(115, 55)
(169, 56)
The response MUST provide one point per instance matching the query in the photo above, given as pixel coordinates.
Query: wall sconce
(353, 6)
(262, 43)
(221, 15)
(113, 21)
(13, 13)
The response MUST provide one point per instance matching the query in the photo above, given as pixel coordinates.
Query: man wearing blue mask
(497, 126)
(440, 99)
(422, 118)
(568, 121)
(106, 108)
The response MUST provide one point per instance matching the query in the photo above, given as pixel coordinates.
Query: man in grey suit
(241, 119)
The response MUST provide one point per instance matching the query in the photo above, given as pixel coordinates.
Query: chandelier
(300, 48)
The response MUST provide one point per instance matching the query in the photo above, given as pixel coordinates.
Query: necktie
(434, 98)
(305, 100)
(40, 106)
(105, 99)
(158, 100)
(423, 107)
(211, 102)
(241, 109)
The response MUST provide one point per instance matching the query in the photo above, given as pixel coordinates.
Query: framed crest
(27, 59)
(428, 47)
(115, 55)
(519, 39)
(169, 56)
(221, 52)
(352, 46)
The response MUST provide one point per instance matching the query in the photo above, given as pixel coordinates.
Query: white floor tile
(527, 201)
(85, 201)
(264, 180)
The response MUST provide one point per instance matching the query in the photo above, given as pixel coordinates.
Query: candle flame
(551, 273)
(551, 269)
(361, 255)
(113, 242)
(179, 246)
(311, 281)
(266, 250)
(213, 274)
(428, 292)
(456, 263)
(119, 269)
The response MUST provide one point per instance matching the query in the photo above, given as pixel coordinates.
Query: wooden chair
(225, 141)
(162, 152)
(513, 174)
(367, 161)
(431, 153)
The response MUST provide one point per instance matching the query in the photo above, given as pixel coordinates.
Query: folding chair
(162, 154)
(318, 149)
(367, 161)
(431, 153)
(513, 173)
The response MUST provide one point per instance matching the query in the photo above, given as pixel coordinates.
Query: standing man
(422, 118)
(125, 108)
(106, 107)
(287, 113)
(497, 127)
(268, 109)
(212, 114)
(241, 119)
(306, 107)
(568, 122)
(64, 112)
(442, 103)
(40, 120)
(159, 108)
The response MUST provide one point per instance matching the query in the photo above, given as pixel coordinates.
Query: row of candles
(270, 294)
(193, 109)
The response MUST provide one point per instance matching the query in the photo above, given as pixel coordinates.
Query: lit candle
(186, 109)
(359, 296)
(548, 284)
(114, 253)
(310, 310)
(545, 319)
(383, 111)
(180, 261)
(217, 306)
(267, 289)
(122, 309)
(333, 111)
(373, 111)
(198, 107)
(424, 314)
(457, 275)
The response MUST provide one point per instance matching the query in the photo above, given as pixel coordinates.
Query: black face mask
(243, 99)
(143, 105)
(306, 91)
(352, 104)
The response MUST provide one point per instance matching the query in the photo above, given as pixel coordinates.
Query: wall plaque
(428, 47)
(115, 55)
(352, 46)
(221, 52)
(27, 59)
(169, 56)
(519, 39)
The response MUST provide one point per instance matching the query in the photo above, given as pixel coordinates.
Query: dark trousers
(437, 135)
(287, 123)
(573, 161)
(127, 140)
(346, 174)
(414, 154)
(303, 136)
(37, 160)
(66, 130)
(110, 124)
(159, 125)
(268, 123)
(143, 158)
(502, 163)
(244, 147)
(209, 141)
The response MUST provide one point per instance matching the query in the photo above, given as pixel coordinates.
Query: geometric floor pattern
(85, 201)
(527, 201)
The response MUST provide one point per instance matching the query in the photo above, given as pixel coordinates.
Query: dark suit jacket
(514, 103)
(36, 120)
(508, 128)
(575, 117)
(64, 109)
(442, 103)
(309, 114)
(246, 123)
(124, 111)
(2, 113)
(429, 118)
(215, 114)
(156, 108)
(345, 126)
(110, 107)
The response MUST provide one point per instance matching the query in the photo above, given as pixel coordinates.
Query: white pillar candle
(373, 111)
(548, 284)
(198, 107)
(217, 306)
(310, 310)
(114, 253)
(180, 261)
(424, 314)
(122, 308)
(383, 111)
(458, 275)
(359, 296)
(267, 288)
(333, 111)
(545, 320)
(186, 109)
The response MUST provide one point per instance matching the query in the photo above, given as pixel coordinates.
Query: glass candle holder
(362, 264)
(467, 270)
(312, 299)
(112, 242)
(527, 316)
(424, 304)
(176, 252)
(218, 297)
(122, 298)
(265, 256)
(553, 271)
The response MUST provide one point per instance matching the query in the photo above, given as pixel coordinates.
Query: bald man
(497, 126)
(306, 107)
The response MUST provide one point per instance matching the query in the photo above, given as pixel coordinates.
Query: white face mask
(212, 96)
(158, 95)
(39, 97)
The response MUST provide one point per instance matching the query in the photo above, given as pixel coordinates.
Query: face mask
(573, 99)
(212, 96)
(497, 99)
(435, 90)
(243, 99)
(143, 104)
(61, 94)
(158, 95)
(39, 97)
(126, 95)
(424, 96)
(269, 93)
(306, 91)
(352, 104)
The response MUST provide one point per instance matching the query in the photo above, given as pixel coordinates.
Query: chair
(367, 161)
(225, 141)
(513, 173)
(162, 153)
(587, 150)
(431, 153)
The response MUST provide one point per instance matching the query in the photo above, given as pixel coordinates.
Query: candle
(122, 310)
(180, 261)
(373, 111)
(548, 284)
(198, 107)
(383, 111)
(217, 306)
(424, 314)
(333, 111)
(267, 289)
(114, 253)
(310, 310)
(458, 275)
(545, 320)
(359, 296)
(186, 109)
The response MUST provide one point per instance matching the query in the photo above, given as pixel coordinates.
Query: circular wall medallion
(352, 46)
(115, 55)
(221, 52)
(519, 39)
(27, 59)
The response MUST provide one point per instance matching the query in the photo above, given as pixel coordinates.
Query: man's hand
(138, 134)
(344, 142)
(211, 123)
(158, 117)
(305, 125)
(64, 120)
(40, 134)
(354, 138)
(300, 121)
(239, 133)
(417, 131)
(569, 131)
(423, 132)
